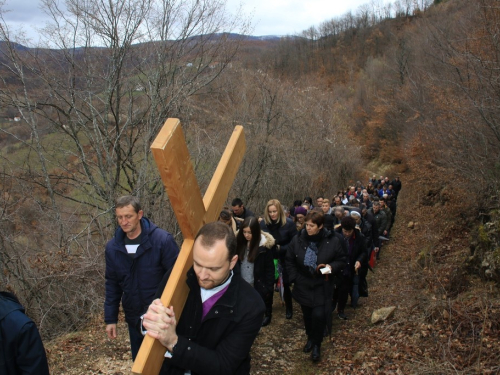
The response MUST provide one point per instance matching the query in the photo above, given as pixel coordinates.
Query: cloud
(284, 17)
(23, 11)
(269, 17)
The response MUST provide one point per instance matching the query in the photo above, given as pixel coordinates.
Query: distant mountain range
(267, 38)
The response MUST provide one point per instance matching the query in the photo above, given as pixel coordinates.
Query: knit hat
(300, 211)
(355, 214)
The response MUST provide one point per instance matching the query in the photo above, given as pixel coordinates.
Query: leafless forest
(409, 88)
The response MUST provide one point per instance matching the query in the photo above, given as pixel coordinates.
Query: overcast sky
(286, 17)
(270, 17)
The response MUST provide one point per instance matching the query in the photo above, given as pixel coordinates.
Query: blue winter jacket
(21, 348)
(135, 280)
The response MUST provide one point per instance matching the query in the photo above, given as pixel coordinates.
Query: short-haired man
(396, 185)
(353, 202)
(338, 213)
(319, 201)
(366, 200)
(337, 201)
(380, 219)
(136, 259)
(325, 206)
(221, 317)
(379, 216)
(388, 214)
(240, 212)
(368, 227)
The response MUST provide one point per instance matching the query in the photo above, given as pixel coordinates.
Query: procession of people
(315, 253)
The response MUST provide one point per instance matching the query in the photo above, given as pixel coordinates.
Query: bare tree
(461, 75)
(297, 138)
(92, 96)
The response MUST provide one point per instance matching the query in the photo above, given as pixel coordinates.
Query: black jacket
(282, 234)
(381, 220)
(309, 288)
(263, 269)
(21, 348)
(370, 233)
(358, 253)
(246, 213)
(396, 185)
(221, 343)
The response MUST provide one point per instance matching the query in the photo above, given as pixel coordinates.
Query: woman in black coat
(283, 230)
(255, 254)
(314, 257)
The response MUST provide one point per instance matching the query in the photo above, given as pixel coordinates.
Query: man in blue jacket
(136, 259)
(21, 348)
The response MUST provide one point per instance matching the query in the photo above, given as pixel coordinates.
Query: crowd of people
(323, 248)
(317, 253)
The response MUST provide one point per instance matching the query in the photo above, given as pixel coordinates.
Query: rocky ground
(445, 321)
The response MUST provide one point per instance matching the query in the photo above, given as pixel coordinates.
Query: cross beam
(192, 212)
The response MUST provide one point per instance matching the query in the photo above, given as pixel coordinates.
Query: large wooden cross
(192, 212)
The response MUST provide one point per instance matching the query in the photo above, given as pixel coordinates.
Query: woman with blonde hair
(283, 229)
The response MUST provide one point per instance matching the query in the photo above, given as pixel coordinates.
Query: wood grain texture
(224, 175)
(176, 170)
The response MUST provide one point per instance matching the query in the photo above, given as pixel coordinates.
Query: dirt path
(357, 346)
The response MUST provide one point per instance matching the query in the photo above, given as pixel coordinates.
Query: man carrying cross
(222, 315)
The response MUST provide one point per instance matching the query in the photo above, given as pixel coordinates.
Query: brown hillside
(414, 93)
(446, 321)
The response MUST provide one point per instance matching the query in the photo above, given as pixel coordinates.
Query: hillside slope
(446, 321)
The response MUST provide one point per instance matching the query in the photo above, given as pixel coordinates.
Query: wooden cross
(192, 212)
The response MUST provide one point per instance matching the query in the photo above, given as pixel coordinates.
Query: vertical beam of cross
(192, 212)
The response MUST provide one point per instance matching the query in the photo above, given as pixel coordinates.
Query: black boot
(288, 302)
(326, 332)
(316, 353)
(266, 321)
(309, 346)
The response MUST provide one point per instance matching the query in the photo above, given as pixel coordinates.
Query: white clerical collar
(207, 293)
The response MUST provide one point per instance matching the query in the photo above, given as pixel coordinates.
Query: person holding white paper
(313, 259)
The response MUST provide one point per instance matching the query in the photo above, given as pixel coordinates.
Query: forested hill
(410, 90)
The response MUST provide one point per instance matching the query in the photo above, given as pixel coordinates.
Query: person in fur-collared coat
(283, 229)
(255, 254)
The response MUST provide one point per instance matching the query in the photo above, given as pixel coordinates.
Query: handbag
(373, 259)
